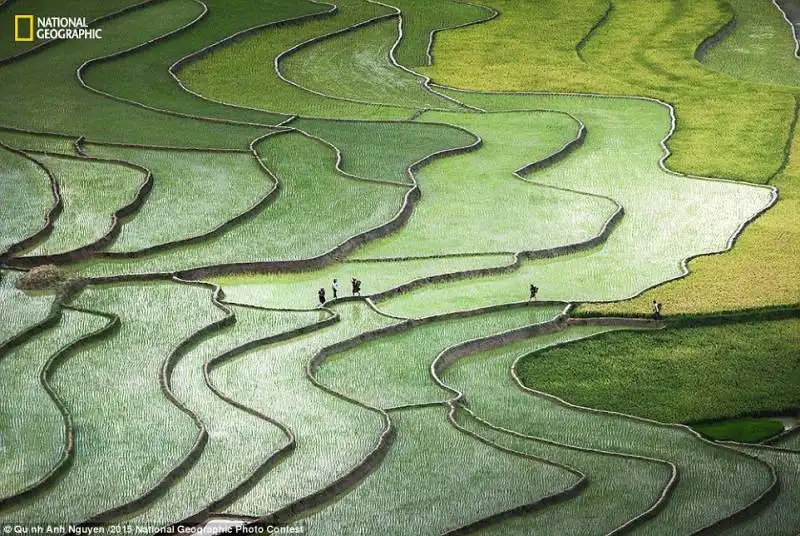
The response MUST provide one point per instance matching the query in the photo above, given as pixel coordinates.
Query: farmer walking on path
(656, 310)
(321, 295)
(335, 288)
(534, 290)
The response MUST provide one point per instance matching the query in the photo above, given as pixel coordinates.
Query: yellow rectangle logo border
(17, 20)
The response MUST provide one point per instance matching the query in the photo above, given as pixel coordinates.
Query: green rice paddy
(27, 198)
(630, 260)
(332, 435)
(114, 395)
(343, 67)
(238, 443)
(42, 94)
(478, 186)
(87, 215)
(741, 430)
(453, 473)
(28, 309)
(790, 441)
(34, 433)
(761, 47)
(779, 517)
(713, 480)
(423, 20)
(208, 169)
(199, 191)
(121, 76)
(290, 290)
(402, 361)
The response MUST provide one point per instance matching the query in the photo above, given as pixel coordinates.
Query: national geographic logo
(27, 28)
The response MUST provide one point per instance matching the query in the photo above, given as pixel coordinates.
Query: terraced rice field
(270, 264)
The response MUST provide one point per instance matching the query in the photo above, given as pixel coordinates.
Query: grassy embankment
(686, 375)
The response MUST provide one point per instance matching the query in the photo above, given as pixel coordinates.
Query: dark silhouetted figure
(356, 283)
(321, 295)
(335, 288)
(534, 290)
(656, 310)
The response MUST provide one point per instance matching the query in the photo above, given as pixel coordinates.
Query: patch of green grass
(472, 202)
(244, 73)
(726, 127)
(741, 430)
(678, 375)
(395, 370)
(430, 475)
(92, 192)
(421, 17)
(41, 92)
(32, 433)
(25, 198)
(659, 227)
(383, 150)
(123, 76)
(194, 191)
(781, 517)
(237, 441)
(333, 436)
(714, 481)
(299, 289)
(355, 65)
(127, 434)
(760, 48)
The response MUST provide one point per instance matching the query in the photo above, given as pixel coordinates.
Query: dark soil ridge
(450, 355)
(397, 13)
(716, 38)
(790, 10)
(182, 62)
(187, 462)
(776, 440)
(752, 508)
(581, 45)
(175, 68)
(787, 149)
(64, 463)
(47, 227)
(118, 217)
(412, 195)
(376, 456)
(493, 14)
